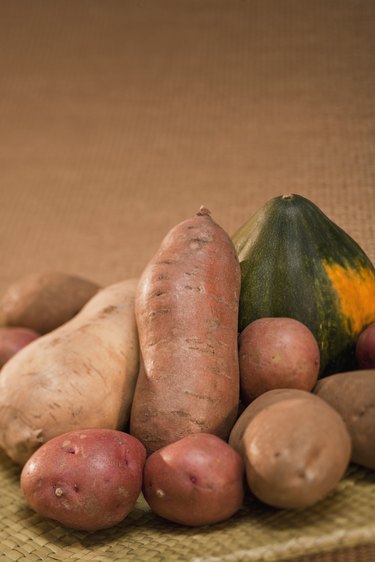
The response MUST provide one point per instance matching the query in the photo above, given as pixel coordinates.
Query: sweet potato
(80, 375)
(88, 479)
(13, 340)
(187, 313)
(197, 480)
(44, 301)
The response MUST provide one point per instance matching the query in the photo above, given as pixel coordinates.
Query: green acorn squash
(296, 262)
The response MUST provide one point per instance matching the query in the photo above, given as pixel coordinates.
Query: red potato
(187, 312)
(13, 340)
(365, 348)
(88, 479)
(277, 353)
(197, 480)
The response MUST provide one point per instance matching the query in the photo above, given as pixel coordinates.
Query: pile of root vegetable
(148, 385)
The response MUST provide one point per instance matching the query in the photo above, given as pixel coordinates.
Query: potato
(365, 348)
(295, 452)
(44, 301)
(87, 479)
(82, 374)
(14, 339)
(249, 413)
(352, 394)
(277, 353)
(195, 481)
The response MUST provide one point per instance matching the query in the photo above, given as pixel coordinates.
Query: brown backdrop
(120, 118)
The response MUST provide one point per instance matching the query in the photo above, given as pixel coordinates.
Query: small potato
(352, 394)
(365, 348)
(277, 353)
(44, 301)
(256, 406)
(14, 339)
(295, 452)
(195, 481)
(88, 479)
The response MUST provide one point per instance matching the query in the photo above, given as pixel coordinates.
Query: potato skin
(295, 452)
(44, 301)
(82, 374)
(352, 394)
(13, 340)
(197, 480)
(187, 314)
(365, 348)
(264, 400)
(88, 479)
(277, 353)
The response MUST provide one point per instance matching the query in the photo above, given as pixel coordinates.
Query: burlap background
(119, 118)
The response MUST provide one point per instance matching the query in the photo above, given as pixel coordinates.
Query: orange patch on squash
(356, 292)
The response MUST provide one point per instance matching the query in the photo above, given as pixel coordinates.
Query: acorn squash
(296, 262)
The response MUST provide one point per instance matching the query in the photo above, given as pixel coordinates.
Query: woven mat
(118, 119)
(255, 534)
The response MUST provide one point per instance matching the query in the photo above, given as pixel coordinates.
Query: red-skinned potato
(195, 481)
(87, 480)
(365, 348)
(277, 353)
(14, 339)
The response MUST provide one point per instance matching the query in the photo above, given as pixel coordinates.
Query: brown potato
(295, 452)
(88, 479)
(352, 394)
(264, 400)
(365, 348)
(277, 353)
(44, 301)
(197, 480)
(13, 340)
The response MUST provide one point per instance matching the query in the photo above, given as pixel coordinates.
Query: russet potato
(43, 301)
(352, 394)
(295, 452)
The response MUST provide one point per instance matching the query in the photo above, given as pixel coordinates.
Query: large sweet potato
(80, 375)
(187, 314)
